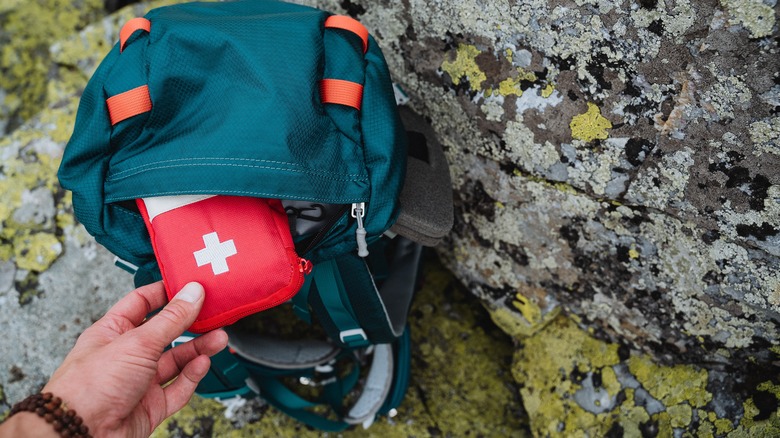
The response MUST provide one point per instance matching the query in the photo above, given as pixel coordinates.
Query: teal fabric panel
(384, 148)
(85, 160)
(236, 111)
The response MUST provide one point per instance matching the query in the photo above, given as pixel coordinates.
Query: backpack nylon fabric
(236, 111)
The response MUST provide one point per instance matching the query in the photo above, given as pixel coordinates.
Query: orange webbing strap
(129, 104)
(130, 27)
(341, 92)
(350, 24)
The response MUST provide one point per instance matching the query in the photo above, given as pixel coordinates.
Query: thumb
(164, 327)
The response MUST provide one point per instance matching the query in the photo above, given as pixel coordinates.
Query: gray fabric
(277, 353)
(426, 200)
(397, 291)
(378, 382)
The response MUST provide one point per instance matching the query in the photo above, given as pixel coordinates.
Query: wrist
(26, 424)
(75, 399)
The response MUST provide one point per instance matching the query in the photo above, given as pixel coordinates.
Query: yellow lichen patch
(544, 366)
(510, 86)
(547, 91)
(770, 387)
(671, 385)
(35, 25)
(633, 253)
(509, 55)
(515, 326)
(723, 425)
(680, 415)
(590, 125)
(10, 198)
(664, 424)
(609, 381)
(6, 252)
(465, 66)
(632, 416)
(531, 312)
(37, 251)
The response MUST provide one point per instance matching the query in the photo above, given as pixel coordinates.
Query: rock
(617, 165)
(616, 170)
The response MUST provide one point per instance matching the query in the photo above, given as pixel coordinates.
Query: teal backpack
(273, 100)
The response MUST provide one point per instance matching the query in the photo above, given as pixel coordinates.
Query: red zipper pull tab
(305, 266)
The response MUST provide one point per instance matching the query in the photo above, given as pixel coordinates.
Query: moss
(590, 125)
(465, 66)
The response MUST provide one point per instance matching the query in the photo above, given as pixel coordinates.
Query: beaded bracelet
(53, 410)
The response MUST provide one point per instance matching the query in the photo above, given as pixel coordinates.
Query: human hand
(117, 375)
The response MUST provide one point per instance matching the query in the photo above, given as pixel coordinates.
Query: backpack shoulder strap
(360, 300)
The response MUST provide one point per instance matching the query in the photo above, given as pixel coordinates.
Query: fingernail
(190, 293)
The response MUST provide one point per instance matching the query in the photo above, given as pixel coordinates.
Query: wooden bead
(52, 409)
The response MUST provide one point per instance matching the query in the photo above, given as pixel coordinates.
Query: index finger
(137, 304)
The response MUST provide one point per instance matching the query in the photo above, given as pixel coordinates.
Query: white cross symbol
(216, 253)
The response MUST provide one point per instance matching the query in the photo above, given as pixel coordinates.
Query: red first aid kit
(239, 248)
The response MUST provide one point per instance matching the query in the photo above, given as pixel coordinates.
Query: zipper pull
(305, 266)
(358, 211)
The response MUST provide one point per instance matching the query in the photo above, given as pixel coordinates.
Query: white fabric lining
(158, 205)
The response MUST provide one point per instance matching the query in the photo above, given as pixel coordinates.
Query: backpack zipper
(358, 211)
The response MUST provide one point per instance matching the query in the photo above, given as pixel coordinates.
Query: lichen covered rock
(616, 163)
(616, 167)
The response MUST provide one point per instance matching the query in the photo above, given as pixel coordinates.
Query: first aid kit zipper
(304, 267)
